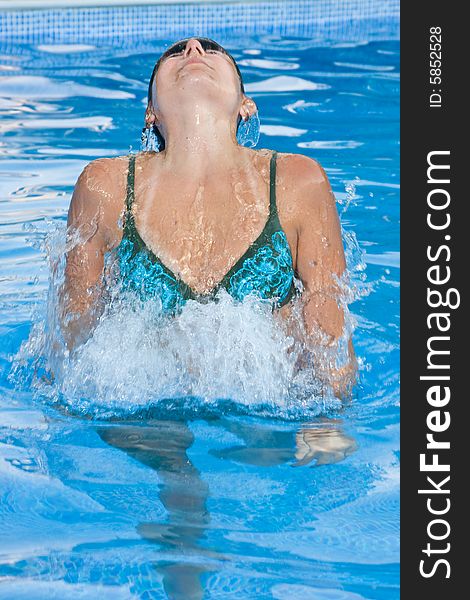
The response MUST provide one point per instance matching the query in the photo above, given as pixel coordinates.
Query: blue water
(231, 504)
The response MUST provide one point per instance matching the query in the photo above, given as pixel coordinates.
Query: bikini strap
(272, 184)
(130, 183)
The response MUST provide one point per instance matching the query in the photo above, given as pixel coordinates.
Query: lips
(194, 60)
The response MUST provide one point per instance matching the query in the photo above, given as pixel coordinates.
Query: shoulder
(105, 170)
(99, 190)
(305, 185)
(101, 182)
(300, 170)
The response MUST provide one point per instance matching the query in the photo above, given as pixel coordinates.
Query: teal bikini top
(264, 270)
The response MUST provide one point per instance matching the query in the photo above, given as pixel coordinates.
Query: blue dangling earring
(149, 140)
(248, 131)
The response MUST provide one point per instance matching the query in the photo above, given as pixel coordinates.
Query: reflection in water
(324, 443)
(163, 445)
(321, 442)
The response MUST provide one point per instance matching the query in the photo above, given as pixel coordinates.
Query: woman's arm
(86, 246)
(320, 261)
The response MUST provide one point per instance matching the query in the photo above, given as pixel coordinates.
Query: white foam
(65, 48)
(210, 353)
(262, 63)
(97, 123)
(330, 144)
(35, 86)
(285, 83)
(282, 130)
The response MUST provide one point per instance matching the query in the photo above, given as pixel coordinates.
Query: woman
(205, 212)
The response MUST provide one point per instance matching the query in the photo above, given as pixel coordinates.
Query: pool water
(230, 503)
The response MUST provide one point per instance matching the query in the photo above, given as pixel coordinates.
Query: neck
(197, 141)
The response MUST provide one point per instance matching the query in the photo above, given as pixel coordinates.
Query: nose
(193, 45)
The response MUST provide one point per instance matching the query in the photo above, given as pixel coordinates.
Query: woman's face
(196, 75)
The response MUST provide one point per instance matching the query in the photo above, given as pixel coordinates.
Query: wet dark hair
(207, 44)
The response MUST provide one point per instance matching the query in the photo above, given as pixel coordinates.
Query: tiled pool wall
(333, 20)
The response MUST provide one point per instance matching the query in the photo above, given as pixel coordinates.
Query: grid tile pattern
(318, 19)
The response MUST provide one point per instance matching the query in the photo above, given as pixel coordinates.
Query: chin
(197, 76)
(201, 87)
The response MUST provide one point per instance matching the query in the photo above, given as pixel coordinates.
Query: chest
(202, 224)
(201, 230)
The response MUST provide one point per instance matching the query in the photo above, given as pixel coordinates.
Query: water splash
(210, 358)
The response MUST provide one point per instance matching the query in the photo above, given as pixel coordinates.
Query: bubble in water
(350, 188)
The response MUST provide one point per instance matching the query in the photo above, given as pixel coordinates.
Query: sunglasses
(207, 45)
